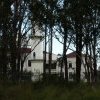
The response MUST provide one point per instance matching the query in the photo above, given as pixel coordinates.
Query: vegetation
(77, 22)
(41, 91)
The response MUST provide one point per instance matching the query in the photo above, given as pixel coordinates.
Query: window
(70, 65)
(70, 75)
(47, 66)
(29, 63)
(53, 66)
(34, 55)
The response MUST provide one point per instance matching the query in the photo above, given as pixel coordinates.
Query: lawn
(41, 91)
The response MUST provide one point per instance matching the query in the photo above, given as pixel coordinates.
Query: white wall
(73, 69)
(73, 60)
(26, 67)
(54, 57)
(38, 49)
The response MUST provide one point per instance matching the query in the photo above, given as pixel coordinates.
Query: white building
(34, 61)
(71, 63)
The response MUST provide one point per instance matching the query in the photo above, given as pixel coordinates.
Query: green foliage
(28, 91)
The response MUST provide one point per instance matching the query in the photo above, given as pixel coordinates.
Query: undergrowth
(48, 91)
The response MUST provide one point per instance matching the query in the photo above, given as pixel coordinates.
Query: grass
(41, 91)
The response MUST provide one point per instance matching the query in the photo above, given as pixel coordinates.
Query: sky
(58, 47)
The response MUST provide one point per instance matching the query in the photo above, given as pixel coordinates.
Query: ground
(39, 91)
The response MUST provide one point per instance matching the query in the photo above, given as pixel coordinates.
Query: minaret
(36, 42)
(34, 60)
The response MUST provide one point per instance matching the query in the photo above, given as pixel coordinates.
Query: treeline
(76, 21)
(14, 29)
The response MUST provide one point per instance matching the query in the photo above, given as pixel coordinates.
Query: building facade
(71, 64)
(34, 60)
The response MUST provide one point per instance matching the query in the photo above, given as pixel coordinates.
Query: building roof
(73, 54)
(26, 50)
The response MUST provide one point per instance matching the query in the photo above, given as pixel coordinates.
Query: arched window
(29, 63)
(70, 65)
(34, 55)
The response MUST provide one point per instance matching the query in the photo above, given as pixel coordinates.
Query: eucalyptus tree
(64, 24)
(85, 15)
(14, 27)
(45, 18)
(92, 37)
(5, 13)
(17, 31)
(39, 18)
(64, 27)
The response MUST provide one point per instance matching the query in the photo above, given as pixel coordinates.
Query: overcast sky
(58, 47)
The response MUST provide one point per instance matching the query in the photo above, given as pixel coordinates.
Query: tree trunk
(65, 58)
(44, 53)
(94, 58)
(50, 51)
(78, 51)
(22, 64)
(87, 64)
(13, 59)
(4, 51)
